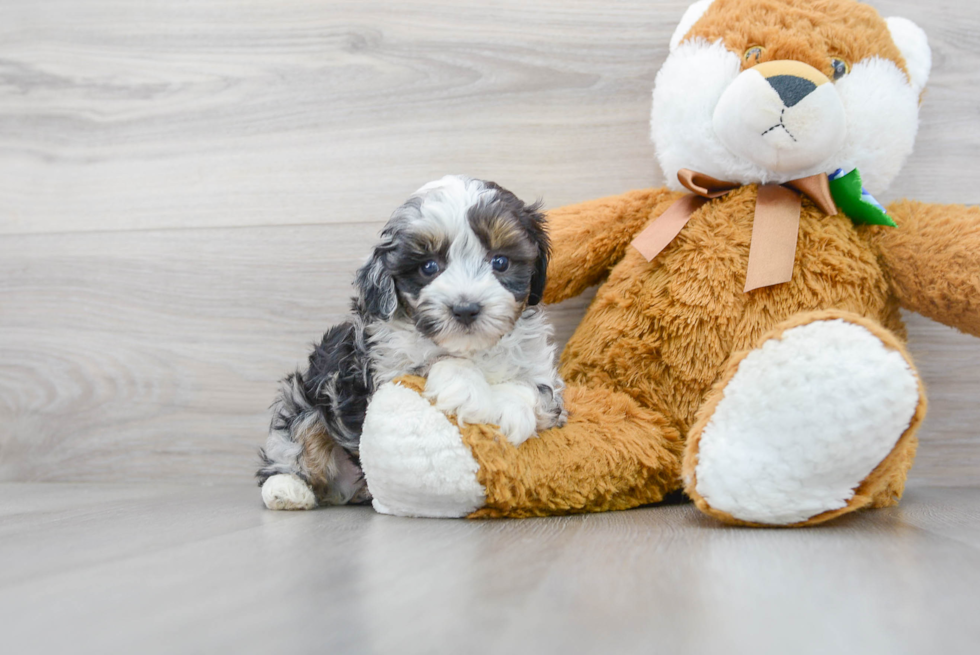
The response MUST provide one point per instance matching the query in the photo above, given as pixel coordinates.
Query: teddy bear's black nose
(791, 89)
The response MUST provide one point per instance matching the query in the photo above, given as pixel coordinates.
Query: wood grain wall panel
(224, 113)
(155, 354)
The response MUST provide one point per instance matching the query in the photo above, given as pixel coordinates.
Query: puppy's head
(462, 258)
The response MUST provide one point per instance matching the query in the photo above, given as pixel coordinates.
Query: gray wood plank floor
(92, 568)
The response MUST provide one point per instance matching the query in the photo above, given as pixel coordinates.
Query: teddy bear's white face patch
(785, 117)
(882, 111)
(708, 115)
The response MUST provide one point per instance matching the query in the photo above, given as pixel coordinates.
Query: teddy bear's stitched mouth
(780, 124)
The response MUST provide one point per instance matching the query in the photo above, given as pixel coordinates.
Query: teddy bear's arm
(933, 258)
(589, 238)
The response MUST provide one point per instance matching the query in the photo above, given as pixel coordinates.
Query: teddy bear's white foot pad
(414, 459)
(286, 491)
(802, 423)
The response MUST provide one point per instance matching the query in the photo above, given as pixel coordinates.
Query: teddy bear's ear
(691, 16)
(914, 46)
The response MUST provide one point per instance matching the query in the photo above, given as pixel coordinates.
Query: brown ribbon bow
(774, 229)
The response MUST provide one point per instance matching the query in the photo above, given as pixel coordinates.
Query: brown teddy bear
(745, 343)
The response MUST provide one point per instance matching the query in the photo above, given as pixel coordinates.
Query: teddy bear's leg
(818, 420)
(612, 454)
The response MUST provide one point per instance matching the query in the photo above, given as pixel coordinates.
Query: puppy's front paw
(514, 406)
(457, 386)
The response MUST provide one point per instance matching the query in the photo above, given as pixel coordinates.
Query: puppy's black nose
(467, 312)
(791, 89)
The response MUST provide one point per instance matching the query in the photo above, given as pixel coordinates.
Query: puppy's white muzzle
(468, 284)
(784, 116)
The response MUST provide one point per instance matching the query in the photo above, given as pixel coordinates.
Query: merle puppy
(449, 293)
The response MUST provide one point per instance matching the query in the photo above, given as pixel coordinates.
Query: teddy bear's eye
(754, 54)
(840, 68)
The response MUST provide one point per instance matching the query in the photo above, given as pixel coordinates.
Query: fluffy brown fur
(932, 261)
(661, 331)
(800, 33)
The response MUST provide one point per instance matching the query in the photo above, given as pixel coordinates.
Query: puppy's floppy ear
(533, 220)
(539, 279)
(376, 296)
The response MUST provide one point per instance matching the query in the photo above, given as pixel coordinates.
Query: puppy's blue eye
(429, 268)
(500, 263)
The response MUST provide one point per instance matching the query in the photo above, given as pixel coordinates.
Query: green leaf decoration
(859, 205)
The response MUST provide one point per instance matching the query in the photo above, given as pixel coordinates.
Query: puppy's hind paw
(286, 491)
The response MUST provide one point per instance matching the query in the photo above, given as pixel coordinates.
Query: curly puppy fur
(449, 292)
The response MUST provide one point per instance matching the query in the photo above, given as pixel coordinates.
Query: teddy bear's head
(767, 91)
